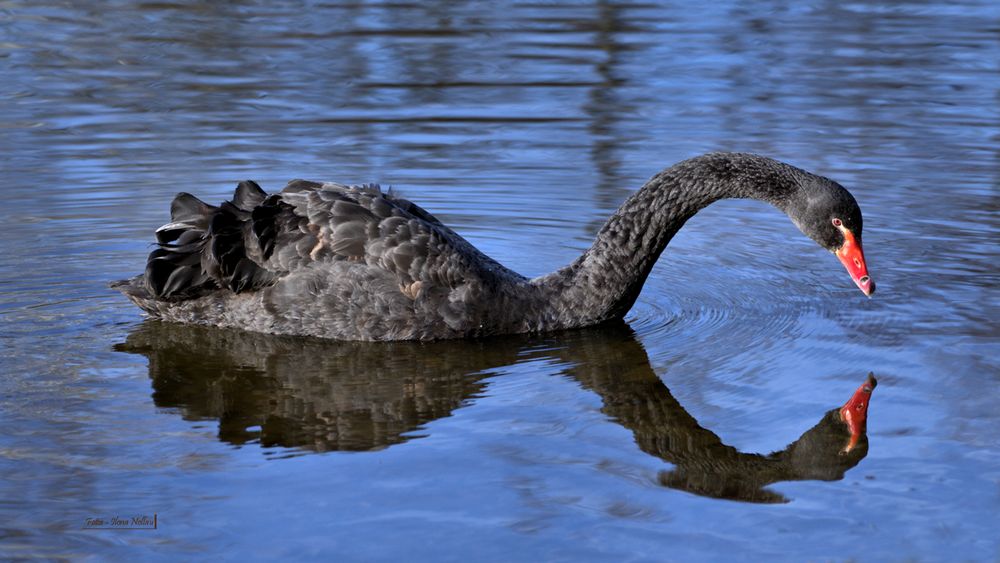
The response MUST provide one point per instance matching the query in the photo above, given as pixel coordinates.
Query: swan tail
(137, 291)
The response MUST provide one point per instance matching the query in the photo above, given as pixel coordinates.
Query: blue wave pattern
(523, 126)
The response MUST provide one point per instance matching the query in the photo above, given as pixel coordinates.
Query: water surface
(522, 126)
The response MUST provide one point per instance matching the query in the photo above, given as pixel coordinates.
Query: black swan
(353, 263)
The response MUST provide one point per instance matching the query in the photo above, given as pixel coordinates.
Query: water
(522, 126)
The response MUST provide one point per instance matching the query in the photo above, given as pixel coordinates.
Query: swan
(350, 262)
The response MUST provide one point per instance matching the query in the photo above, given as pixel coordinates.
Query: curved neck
(606, 280)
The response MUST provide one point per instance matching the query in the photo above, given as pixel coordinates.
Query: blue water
(522, 126)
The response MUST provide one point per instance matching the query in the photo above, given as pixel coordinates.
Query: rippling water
(523, 126)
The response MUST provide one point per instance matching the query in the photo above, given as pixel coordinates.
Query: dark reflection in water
(318, 395)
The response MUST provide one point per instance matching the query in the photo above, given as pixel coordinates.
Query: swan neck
(605, 281)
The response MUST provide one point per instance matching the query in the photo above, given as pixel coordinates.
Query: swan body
(354, 263)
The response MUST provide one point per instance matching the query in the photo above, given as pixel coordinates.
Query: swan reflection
(319, 395)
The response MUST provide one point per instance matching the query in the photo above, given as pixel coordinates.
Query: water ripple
(523, 126)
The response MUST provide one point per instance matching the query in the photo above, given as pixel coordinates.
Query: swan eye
(837, 222)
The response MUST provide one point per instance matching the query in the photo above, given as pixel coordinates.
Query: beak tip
(867, 286)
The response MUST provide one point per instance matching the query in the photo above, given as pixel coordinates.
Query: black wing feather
(204, 247)
(248, 195)
(253, 240)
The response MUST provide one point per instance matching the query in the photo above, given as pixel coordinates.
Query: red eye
(837, 222)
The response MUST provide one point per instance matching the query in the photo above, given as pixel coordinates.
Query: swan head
(827, 213)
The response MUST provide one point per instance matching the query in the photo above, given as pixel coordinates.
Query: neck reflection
(318, 395)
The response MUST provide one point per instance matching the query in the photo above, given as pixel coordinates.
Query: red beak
(853, 258)
(854, 413)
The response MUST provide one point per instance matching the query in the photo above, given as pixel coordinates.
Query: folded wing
(256, 239)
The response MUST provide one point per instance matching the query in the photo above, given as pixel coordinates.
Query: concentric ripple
(725, 306)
